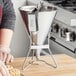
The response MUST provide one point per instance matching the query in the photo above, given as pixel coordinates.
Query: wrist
(4, 48)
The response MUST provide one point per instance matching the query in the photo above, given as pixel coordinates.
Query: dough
(13, 71)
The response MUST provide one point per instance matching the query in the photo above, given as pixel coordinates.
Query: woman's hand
(6, 57)
(3, 71)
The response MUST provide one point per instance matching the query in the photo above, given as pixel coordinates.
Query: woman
(7, 22)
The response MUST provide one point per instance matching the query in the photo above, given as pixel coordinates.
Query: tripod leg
(23, 66)
(52, 58)
(50, 52)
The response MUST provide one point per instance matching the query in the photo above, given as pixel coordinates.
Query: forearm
(5, 37)
(5, 40)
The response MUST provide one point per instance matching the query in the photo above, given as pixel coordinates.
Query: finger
(1, 56)
(12, 58)
(4, 57)
(8, 59)
(3, 71)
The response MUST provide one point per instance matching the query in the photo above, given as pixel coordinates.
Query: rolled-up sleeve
(8, 17)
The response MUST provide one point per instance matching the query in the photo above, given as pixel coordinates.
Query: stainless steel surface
(61, 38)
(45, 12)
